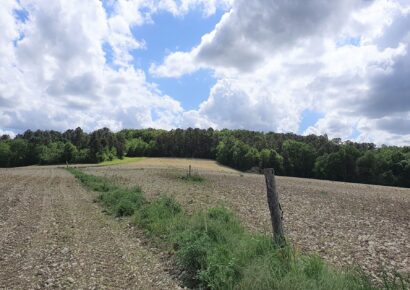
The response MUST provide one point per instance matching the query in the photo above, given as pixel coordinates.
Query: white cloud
(56, 76)
(236, 104)
(346, 59)
(10, 133)
(175, 65)
(182, 7)
(254, 30)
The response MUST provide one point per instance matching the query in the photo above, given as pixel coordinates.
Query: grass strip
(216, 252)
(124, 160)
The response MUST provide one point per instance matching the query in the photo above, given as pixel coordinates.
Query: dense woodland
(290, 154)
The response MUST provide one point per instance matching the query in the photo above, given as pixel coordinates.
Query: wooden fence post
(274, 207)
(189, 171)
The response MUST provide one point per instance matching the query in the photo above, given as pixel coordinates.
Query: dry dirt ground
(345, 223)
(52, 235)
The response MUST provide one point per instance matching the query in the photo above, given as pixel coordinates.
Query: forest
(289, 154)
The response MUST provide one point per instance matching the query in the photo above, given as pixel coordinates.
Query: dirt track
(52, 235)
(345, 223)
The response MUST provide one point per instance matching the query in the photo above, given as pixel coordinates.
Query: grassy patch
(216, 252)
(125, 160)
(192, 178)
(324, 193)
(117, 201)
(160, 217)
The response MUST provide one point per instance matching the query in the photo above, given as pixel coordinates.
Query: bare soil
(345, 223)
(52, 235)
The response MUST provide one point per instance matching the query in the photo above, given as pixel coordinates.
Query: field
(53, 234)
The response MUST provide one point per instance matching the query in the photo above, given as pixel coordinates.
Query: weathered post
(189, 171)
(274, 206)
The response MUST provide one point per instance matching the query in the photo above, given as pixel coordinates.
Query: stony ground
(52, 235)
(345, 223)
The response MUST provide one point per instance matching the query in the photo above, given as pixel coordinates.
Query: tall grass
(215, 251)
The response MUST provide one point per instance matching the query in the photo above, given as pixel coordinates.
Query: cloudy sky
(339, 67)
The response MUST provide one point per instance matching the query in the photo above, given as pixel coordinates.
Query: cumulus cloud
(272, 60)
(348, 60)
(54, 75)
(389, 86)
(176, 65)
(181, 7)
(237, 104)
(253, 30)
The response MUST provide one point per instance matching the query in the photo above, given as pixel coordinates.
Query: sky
(340, 67)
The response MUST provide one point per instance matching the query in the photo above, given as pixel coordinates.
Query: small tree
(70, 152)
(5, 154)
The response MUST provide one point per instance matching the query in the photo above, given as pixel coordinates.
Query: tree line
(290, 154)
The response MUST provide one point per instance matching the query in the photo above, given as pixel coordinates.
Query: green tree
(5, 154)
(137, 147)
(224, 151)
(19, 152)
(250, 159)
(299, 158)
(51, 154)
(340, 165)
(269, 158)
(69, 153)
(367, 168)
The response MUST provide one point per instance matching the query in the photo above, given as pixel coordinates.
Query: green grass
(215, 251)
(117, 201)
(192, 178)
(125, 160)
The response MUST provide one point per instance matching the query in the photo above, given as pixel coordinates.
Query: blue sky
(167, 34)
(164, 35)
(309, 118)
